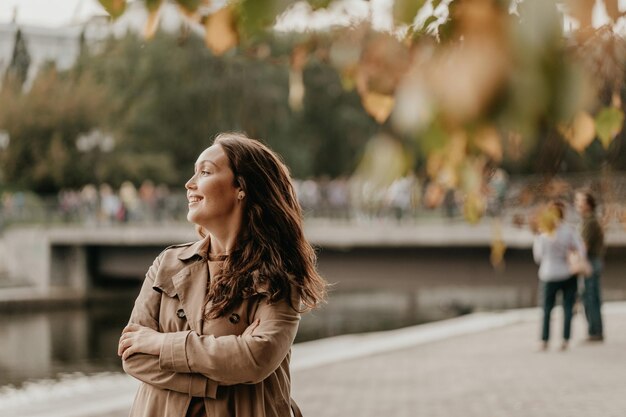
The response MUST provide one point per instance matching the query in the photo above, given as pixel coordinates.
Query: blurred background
(422, 137)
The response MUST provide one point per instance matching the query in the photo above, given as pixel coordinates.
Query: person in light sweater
(553, 242)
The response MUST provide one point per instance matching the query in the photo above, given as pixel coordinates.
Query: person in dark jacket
(593, 237)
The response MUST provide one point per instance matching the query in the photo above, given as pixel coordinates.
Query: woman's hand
(139, 339)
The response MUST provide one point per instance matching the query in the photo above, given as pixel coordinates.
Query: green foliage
(163, 101)
(404, 11)
(609, 122)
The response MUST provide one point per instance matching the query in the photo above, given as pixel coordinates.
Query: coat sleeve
(236, 359)
(146, 367)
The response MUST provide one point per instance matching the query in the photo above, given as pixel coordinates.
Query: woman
(551, 249)
(212, 328)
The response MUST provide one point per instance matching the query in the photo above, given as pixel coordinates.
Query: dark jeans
(592, 299)
(550, 289)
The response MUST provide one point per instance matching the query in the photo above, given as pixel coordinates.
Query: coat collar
(199, 248)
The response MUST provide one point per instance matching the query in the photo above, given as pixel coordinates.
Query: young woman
(551, 249)
(212, 328)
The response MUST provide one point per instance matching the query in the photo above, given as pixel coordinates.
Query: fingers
(124, 343)
(131, 327)
(128, 352)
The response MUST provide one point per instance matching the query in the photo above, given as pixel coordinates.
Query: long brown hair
(271, 251)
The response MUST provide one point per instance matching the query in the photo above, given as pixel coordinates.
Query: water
(50, 344)
(376, 289)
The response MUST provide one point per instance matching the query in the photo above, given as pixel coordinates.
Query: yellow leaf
(114, 7)
(152, 24)
(379, 106)
(220, 31)
(498, 247)
(488, 141)
(581, 132)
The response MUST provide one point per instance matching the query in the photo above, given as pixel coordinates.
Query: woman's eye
(204, 172)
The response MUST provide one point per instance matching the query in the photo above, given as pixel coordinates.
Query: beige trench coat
(237, 376)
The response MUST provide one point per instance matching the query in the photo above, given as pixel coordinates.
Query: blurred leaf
(153, 5)
(296, 90)
(256, 16)
(404, 11)
(609, 122)
(220, 31)
(189, 5)
(580, 133)
(612, 9)
(319, 4)
(114, 7)
(379, 106)
(582, 10)
(152, 24)
(473, 208)
(488, 141)
(414, 108)
(382, 64)
(384, 161)
(498, 247)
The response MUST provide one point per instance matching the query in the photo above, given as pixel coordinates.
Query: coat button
(234, 318)
(180, 313)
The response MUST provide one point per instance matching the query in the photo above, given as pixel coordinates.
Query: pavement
(483, 364)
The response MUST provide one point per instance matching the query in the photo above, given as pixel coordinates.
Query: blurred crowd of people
(405, 199)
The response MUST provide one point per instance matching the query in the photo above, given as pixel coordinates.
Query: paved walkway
(488, 373)
(480, 365)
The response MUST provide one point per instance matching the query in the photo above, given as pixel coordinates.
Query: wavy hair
(271, 251)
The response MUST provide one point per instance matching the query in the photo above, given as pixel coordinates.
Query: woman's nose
(190, 184)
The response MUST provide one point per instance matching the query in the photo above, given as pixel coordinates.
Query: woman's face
(211, 192)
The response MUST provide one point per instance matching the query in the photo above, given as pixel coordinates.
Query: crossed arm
(195, 364)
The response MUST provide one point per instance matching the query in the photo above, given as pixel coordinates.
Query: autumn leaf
(488, 141)
(114, 7)
(580, 133)
(379, 106)
(220, 32)
(152, 24)
(609, 122)
(498, 247)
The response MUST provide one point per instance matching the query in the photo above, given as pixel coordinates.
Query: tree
(20, 60)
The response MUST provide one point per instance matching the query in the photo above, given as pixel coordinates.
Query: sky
(55, 13)
(50, 13)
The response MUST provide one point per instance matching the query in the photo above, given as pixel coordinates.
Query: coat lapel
(191, 284)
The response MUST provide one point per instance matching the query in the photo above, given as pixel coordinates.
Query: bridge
(379, 254)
